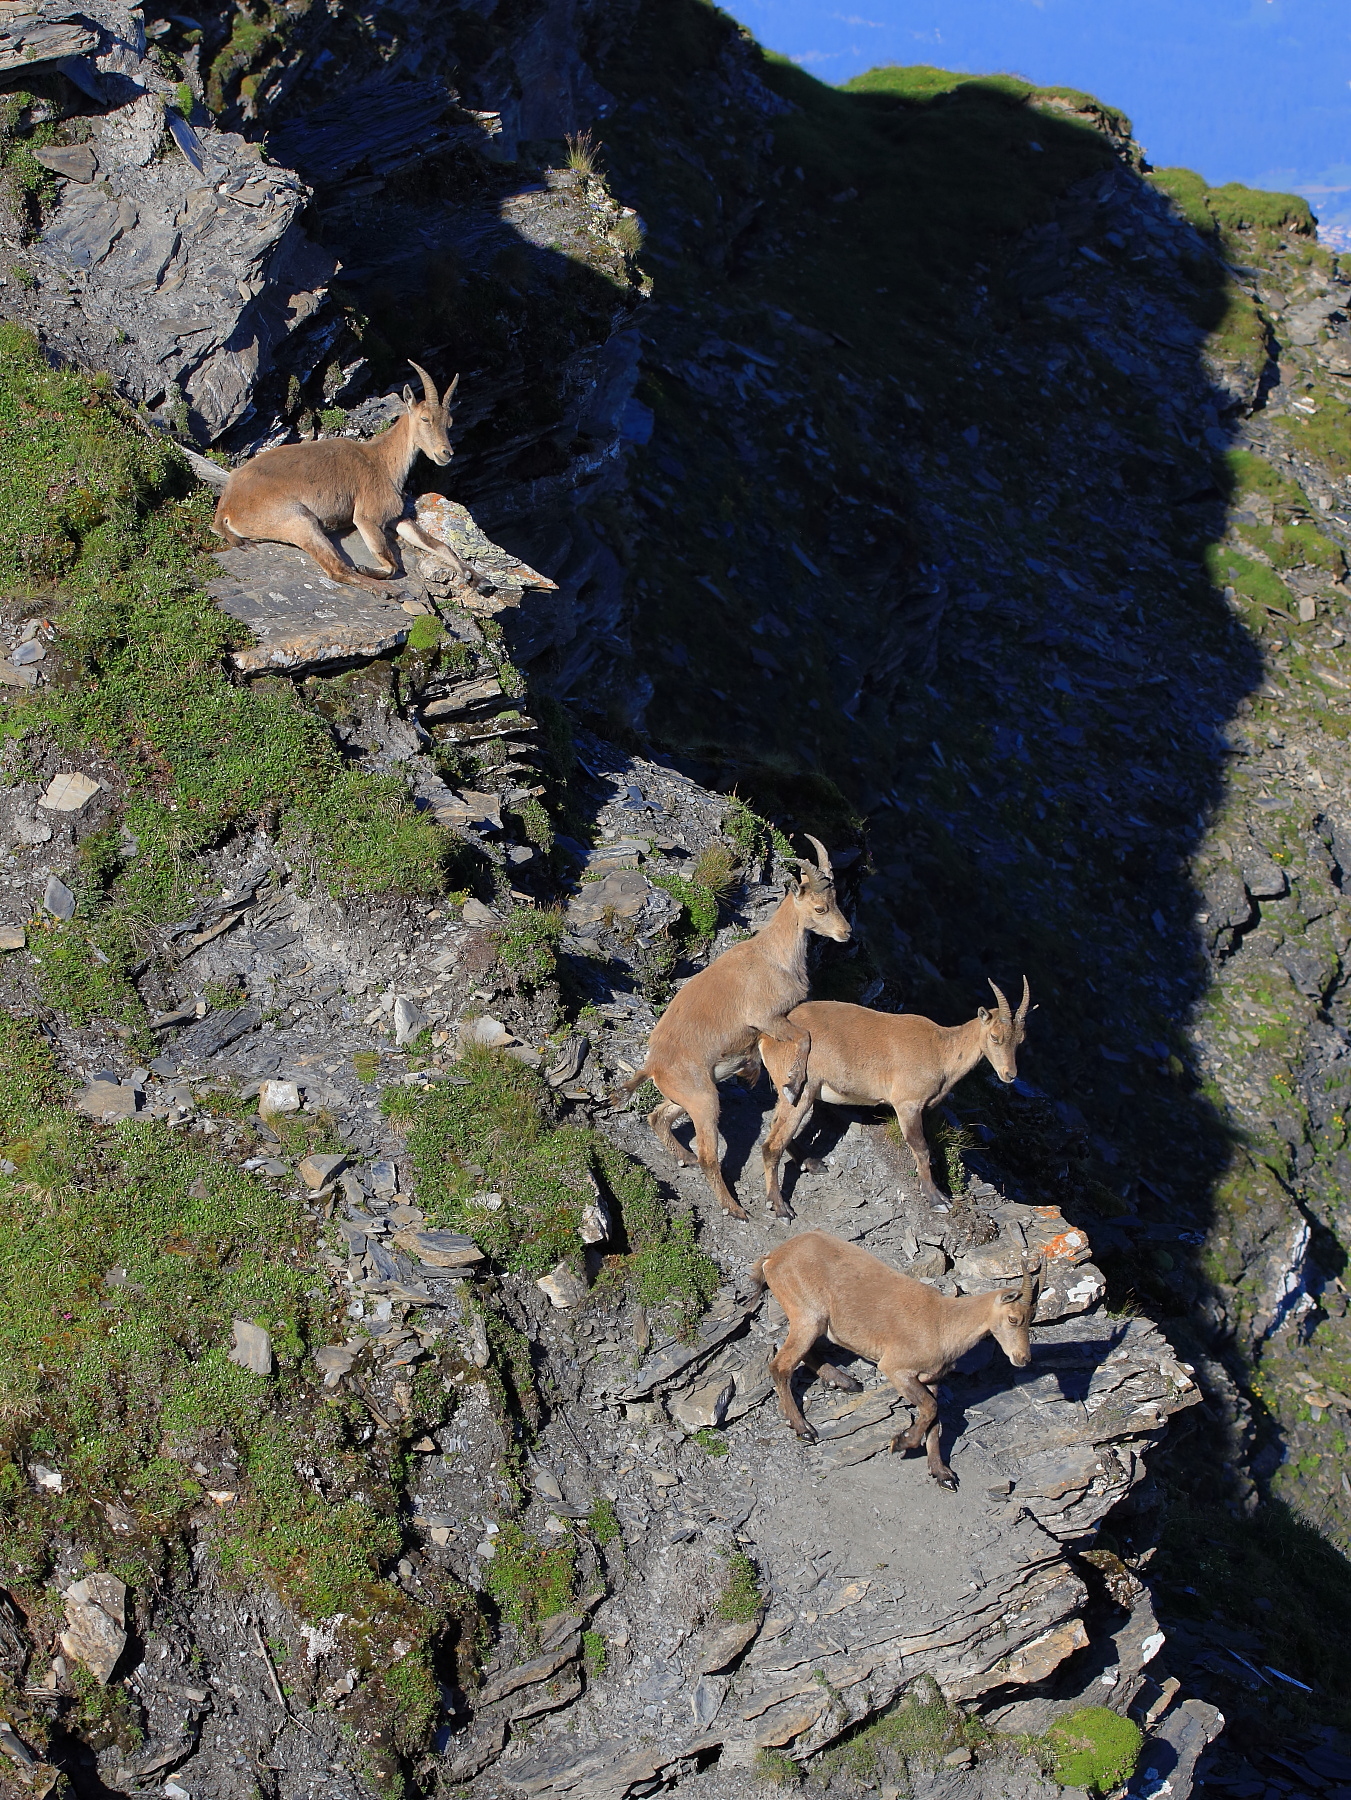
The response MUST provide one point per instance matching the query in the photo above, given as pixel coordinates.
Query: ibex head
(812, 892)
(1004, 1031)
(1014, 1311)
(431, 417)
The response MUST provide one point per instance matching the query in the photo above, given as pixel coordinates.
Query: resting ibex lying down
(710, 1030)
(297, 493)
(910, 1331)
(865, 1058)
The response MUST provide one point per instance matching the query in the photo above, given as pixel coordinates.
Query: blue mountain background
(1257, 91)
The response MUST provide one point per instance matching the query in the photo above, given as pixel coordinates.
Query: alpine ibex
(297, 493)
(865, 1058)
(710, 1029)
(910, 1331)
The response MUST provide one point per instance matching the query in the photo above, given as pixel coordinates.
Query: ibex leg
(788, 1120)
(802, 1334)
(815, 1360)
(661, 1119)
(302, 528)
(703, 1107)
(413, 533)
(910, 1118)
(925, 1428)
(374, 537)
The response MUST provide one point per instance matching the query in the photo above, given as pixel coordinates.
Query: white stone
(594, 1227)
(68, 792)
(95, 1631)
(408, 1021)
(703, 1406)
(489, 1033)
(562, 1287)
(278, 1097)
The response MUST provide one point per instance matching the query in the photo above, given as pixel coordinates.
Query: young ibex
(710, 1030)
(297, 493)
(865, 1058)
(911, 1332)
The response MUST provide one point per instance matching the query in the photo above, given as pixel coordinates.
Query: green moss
(426, 633)
(594, 1653)
(530, 1580)
(915, 1734)
(711, 1442)
(700, 906)
(366, 1064)
(1233, 207)
(740, 1600)
(1094, 1748)
(603, 1521)
(494, 1128)
(1253, 580)
(777, 1768)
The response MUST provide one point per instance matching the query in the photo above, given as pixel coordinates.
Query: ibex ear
(982, 1013)
(792, 886)
(408, 396)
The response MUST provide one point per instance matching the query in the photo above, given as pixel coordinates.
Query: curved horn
(1005, 1012)
(428, 385)
(449, 395)
(822, 855)
(1023, 1003)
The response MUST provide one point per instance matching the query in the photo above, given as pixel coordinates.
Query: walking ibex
(910, 1331)
(297, 493)
(710, 1030)
(865, 1058)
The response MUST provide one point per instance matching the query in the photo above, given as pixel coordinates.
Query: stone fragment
(466, 807)
(252, 1348)
(58, 899)
(384, 1179)
(209, 1036)
(546, 1483)
(408, 1021)
(69, 792)
(706, 1698)
(333, 1362)
(594, 1225)
(107, 1100)
(928, 1265)
(12, 937)
(318, 1171)
(723, 1644)
(487, 1032)
(528, 1674)
(703, 1406)
(461, 697)
(34, 651)
(95, 1631)
(621, 895)
(442, 1249)
(278, 1097)
(77, 162)
(562, 1288)
(15, 677)
(474, 912)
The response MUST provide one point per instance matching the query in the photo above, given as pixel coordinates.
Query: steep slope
(979, 506)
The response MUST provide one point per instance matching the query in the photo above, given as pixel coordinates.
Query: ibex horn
(428, 385)
(1031, 1287)
(1004, 1010)
(822, 855)
(449, 395)
(1023, 1004)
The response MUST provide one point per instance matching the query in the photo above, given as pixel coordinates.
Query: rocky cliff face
(912, 463)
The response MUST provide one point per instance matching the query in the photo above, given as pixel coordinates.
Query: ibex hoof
(806, 1432)
(947, 1480)
(782, 1210)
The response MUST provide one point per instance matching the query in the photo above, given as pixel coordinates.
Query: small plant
(582, 153)
(628, 233)
(594, 1653)
(530, 1581)
(711, 1442)
(716, 870)
(778, 1768)
(603, 1521)
(367, 1065)
(1094, 1748)
(219, 995)
(741, 1599)
(527, 946)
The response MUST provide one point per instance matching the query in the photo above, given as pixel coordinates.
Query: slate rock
(334, 1361)
(252, 1348)
(107, 1100)
(318, 1171)
(384, 1179)
(723, 1644)
(623, 894)
(1263, 878)
(69, 792)
(409, 1020)
(95, 1631)
(217, 1031)
(703, 1406)
(474, 912)
(442, 1249)
(77, 162)
(12, 937)
(58, 899)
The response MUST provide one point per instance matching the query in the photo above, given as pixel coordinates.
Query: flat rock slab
(300, 618)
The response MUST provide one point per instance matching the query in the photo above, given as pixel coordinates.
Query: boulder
(561, 1287)
(703, 1406)
(442, 1249)
(107, 1100)
(277, 1097)
(318, 1171)
(69, 792)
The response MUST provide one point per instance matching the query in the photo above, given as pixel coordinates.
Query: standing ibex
(710, 1030)
(910, 1331)
(865, 1058)
(297, 493)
